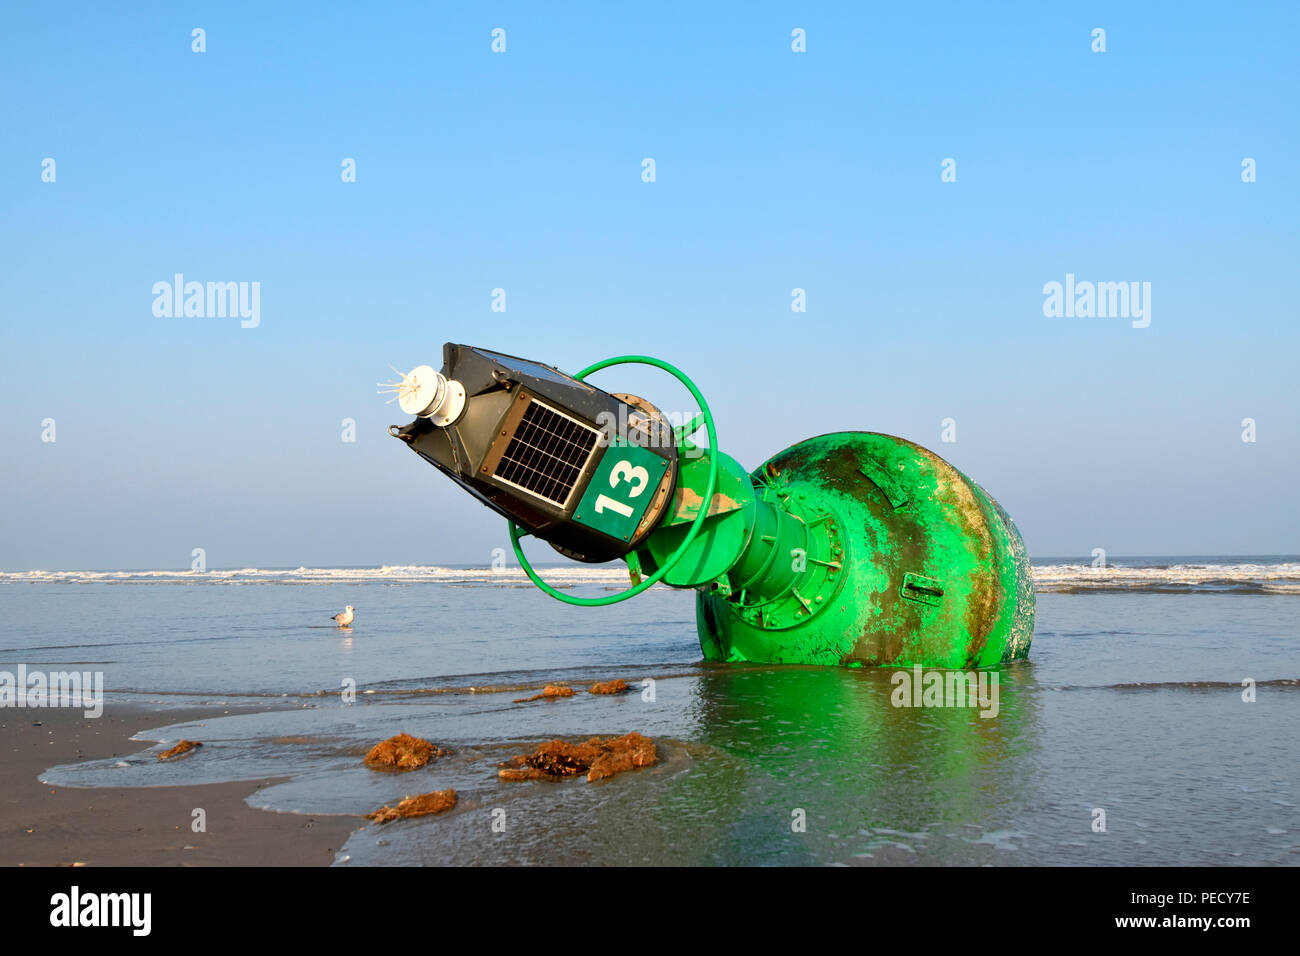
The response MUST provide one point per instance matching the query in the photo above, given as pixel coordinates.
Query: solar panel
(547, 453)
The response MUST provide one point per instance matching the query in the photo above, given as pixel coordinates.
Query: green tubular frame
(696, 525)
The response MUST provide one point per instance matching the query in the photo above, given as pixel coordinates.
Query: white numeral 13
(634, 475)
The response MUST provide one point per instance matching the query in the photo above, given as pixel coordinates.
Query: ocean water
(1131, 703)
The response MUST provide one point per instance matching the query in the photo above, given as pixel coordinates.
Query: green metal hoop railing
(696, 525)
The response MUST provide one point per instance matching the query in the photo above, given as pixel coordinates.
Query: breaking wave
(388, 574)
(1209, 578)
(1278, 578)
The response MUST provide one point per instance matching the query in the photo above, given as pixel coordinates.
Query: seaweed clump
(421, 806)
(549, 691)
(184, 747)
(403, 752)
(598, 758)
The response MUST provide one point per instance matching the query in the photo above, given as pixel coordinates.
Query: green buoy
(854, 548)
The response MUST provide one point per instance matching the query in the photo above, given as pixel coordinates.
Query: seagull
(344, 619)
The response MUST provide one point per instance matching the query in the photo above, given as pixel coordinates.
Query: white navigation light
(427, 393)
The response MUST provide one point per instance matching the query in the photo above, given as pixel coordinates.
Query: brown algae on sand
(421, 806)
(598, 758)
(403, 752)
(548, 692)
(616, 686)
(184, 747)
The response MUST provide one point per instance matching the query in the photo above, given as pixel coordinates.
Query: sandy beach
(42, 825)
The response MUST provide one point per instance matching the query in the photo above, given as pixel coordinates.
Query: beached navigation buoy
(853, 548)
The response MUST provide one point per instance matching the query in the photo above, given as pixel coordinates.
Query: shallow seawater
(1130, 703)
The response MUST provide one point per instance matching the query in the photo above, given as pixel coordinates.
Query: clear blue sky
(522, 170)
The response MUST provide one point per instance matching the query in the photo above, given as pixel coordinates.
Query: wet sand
(42, 825)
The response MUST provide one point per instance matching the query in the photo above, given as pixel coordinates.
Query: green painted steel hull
(926, 568)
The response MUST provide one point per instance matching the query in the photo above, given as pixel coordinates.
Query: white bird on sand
(344, 619)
